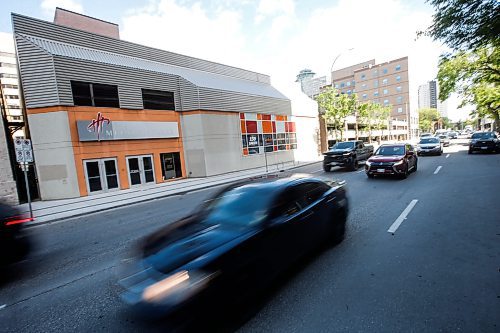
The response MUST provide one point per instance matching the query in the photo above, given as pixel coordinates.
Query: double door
(101, 175)
(140, 170)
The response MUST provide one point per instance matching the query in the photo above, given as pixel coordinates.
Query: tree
(475, 76)
(381, 115)
(465, 24)
(427, 118)
(337, 107)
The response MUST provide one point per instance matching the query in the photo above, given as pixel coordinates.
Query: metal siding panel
(43, 29)
(37, 75)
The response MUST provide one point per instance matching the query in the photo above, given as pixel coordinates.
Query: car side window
(310, 192)
(286, 204)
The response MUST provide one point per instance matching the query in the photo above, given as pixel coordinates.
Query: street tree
(427, 118)
(465, 24)
(336, 107)
(475, 76)
(381, 116)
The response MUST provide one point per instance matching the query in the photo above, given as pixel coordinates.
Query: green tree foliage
(427, 118)
(465, 24)
(475, 76)
(336, 108)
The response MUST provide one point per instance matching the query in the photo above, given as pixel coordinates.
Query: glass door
(141, 170)
(171, 165)
(101, 175)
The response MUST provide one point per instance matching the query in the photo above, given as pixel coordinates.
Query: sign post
(24, 156)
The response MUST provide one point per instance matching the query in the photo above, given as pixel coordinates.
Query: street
(437, 270)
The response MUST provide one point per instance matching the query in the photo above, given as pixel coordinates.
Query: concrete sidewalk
(54, 210)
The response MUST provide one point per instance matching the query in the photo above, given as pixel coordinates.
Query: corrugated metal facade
(47, 67)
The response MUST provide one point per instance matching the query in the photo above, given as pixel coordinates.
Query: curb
(99, 210)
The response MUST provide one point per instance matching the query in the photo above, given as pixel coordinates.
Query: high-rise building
(428, 98)
(310, 85)
(385, 84)
(9, 92)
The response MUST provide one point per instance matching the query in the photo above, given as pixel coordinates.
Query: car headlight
(368, 163)
(346, 154)
(180, 285)
(473, 141)
(398, 163)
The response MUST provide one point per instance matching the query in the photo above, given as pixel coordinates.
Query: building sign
(265, 133)
(102, 129)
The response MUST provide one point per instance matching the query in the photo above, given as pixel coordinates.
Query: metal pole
(25, 168)
(265, 157)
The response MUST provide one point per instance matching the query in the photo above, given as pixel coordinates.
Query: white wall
(54, 158)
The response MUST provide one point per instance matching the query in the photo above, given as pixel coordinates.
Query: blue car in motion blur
(237, 241)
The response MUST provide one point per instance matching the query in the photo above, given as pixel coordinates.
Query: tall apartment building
(9, 92)
(385, 84)
(310, 85)
(428, 98)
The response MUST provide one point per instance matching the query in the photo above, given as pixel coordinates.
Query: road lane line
(318, 171)
(437, 170)
(361, 171)
(447, 155)
(402, 217)
(3, 306)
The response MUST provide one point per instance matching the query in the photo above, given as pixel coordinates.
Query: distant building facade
(10, 92)
(428, 98)
(385, 84)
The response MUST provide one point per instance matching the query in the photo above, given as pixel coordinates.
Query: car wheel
(354, 165)
(327, 168)
(338, 227)
(405, 174)
(370, 175)
(415, 168)
(470, 151)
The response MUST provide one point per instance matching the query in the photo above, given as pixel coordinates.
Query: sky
(274, 37)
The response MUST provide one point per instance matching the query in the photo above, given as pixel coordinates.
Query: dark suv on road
(484, 141)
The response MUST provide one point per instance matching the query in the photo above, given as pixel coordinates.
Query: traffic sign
(24, 153)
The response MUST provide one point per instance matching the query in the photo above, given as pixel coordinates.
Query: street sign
(24, 153)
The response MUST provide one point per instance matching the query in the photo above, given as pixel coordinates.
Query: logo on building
(96, 125)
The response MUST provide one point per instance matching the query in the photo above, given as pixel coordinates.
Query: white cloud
(383, 29)
(49, 6)
(267, 8)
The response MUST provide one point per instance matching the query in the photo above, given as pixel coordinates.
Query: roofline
(149, 47)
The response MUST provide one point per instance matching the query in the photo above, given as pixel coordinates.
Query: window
(384, 81)
(386, 91)
(348, 83)
(398, 89)
(365, 96)
(158, 100)
(11, 97)
(363, 76)
(353, 82)
(342, 85)
(8, 76)
(384, 70)
(336, 85)
(400, 110)
(170, 165)
(349, 92)
(375, 93)
(101, 175)
(375, 73)
(398, 78)
(398, 67)
(386, 102)
(363, 86)
(399, 99)
(375, 84)
(94, 94)
(10, 86)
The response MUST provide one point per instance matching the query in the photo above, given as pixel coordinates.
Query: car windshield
(243, 206)
(484, 135)
(429, 140)
(343, 145)
(391, 150)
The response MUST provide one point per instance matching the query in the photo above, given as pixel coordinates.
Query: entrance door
(140, 170)
(101, 175)
(171, 165)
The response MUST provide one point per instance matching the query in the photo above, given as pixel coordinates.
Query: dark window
(158, 100)
(171, 165)
(94, 94)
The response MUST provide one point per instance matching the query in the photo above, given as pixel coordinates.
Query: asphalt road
(438, 271)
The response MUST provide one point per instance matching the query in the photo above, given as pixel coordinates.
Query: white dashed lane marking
(437, 169)
(402, 217)
(447, 155)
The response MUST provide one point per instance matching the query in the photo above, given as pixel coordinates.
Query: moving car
(392, 159)
(346, 154)
(453, 135)
(240, 239)
(429, 146)
(484, 141)
(445, 140)
(14, 242)
(424, 135)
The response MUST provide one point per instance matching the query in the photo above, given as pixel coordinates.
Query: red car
(392, 159)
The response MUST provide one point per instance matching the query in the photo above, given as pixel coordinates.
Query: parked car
(234, 244)
(429, 146)
(484, 141)
(392, 159)
(346, 154)
(14, 241)
(445, 140)
(424, 135)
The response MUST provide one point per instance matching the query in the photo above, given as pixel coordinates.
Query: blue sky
(275, 37)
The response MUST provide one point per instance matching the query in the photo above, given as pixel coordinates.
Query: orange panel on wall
(267, 127)
(243, 127)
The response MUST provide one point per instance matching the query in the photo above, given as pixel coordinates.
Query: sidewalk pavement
(54, 210)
